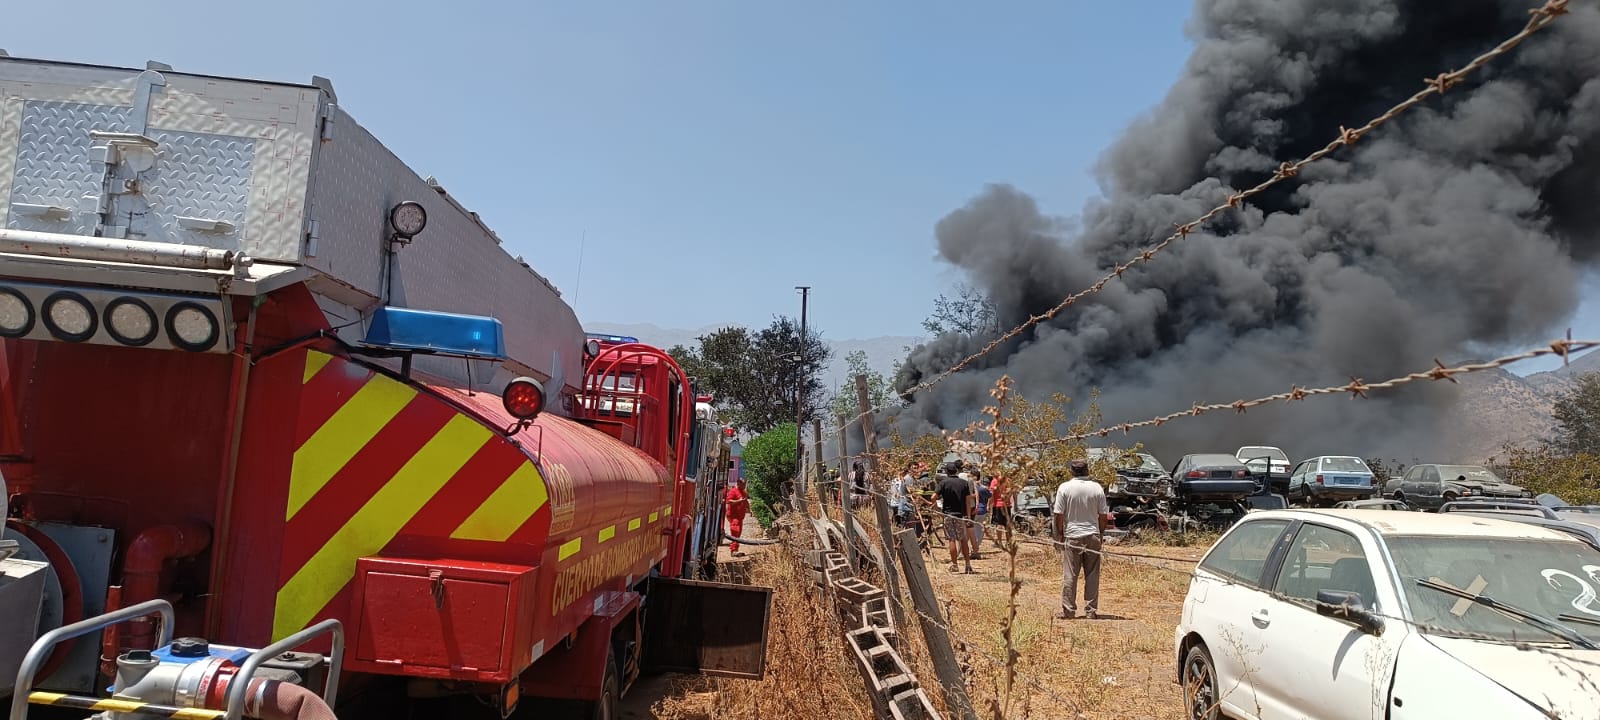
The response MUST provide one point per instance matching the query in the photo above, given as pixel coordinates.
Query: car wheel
(1200, 695)
(1399, 497)
(1448, 497)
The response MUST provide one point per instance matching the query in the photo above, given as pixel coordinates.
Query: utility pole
(800, 384)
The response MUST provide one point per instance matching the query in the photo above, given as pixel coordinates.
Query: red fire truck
(285, 431)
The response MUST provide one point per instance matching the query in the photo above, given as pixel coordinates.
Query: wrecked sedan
(1338, 614)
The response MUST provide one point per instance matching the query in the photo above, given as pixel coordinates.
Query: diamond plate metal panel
(235, 151)
(198, 176)
(53, 165)
(455, 265)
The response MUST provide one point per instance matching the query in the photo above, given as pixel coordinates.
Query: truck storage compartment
(447, 619)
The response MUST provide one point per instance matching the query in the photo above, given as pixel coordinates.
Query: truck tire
(611, 690)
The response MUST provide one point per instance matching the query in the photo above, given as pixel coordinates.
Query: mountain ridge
(1497, 407)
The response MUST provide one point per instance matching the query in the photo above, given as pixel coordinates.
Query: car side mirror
(1347, 606)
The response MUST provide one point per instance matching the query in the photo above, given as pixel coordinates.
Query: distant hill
(883, 353)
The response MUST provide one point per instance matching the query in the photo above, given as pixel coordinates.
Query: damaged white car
(1337, 614)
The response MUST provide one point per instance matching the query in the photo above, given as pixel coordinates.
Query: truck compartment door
(706, 628)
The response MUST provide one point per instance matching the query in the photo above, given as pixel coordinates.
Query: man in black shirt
(958, 505)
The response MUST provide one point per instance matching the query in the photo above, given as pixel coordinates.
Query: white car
(1345, 614)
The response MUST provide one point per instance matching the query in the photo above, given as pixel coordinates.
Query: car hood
(1559, 680)
(1492, 487)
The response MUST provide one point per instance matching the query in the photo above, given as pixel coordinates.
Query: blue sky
(716, 154)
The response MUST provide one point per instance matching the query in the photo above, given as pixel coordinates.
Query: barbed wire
(1539, 18)
(1356, 388)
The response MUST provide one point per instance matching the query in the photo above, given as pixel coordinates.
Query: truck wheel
(611, 693)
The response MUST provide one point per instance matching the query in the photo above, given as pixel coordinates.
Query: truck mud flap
(706, 628)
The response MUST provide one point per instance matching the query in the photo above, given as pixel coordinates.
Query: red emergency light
(727, 432)
(523, 398)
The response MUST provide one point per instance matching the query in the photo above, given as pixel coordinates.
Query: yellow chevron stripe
(569, 548)
(633, 524)
(352, 426)
(376, 523)
(505, 510)
(606, 533)
(314, 362)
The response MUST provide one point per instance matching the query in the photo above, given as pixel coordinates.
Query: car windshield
(1344, 464)
(1554, 579)
(1473, 473)
(1251, 453)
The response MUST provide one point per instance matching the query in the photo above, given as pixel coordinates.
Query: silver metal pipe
(31, 242)
(42, 647)
(239, 686)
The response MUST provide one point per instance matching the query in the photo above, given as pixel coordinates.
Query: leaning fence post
(880, 505)
(933, 628)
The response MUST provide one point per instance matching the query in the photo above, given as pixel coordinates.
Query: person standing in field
(1000, 506)
(956, 504)
(738, 503)
(1080, 511)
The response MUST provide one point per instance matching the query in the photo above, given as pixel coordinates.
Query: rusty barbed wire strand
(1356, 388)
(1539, 18)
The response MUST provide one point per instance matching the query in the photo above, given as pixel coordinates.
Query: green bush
(762, 512)
(768, 462)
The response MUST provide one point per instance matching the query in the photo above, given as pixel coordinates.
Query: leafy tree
(968, 313)
(754, 375)
(1574, 477)
(1577, 414)
(768, 462)
(879, 390)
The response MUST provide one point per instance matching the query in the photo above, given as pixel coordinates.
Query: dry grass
(808, 675)
(1108, 668)
(1105, 668)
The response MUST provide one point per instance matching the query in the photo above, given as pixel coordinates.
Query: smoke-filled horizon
(1461, 228)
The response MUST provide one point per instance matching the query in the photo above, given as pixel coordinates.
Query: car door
(1227, 585)
(1430, 491)
(1410, 483)
(1297, 478)
(1325, 667)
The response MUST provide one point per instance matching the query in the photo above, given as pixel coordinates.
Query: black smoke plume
(1462, 228)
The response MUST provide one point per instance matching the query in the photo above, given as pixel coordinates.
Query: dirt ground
(1117, 666)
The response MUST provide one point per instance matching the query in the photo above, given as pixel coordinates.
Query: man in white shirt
(1080, 512)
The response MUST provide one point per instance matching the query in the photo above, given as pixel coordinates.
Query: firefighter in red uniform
(738, 506)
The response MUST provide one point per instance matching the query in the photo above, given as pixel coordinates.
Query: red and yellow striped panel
(376, 460)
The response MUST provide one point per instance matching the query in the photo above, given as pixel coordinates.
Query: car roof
(1391, 523)
(1342, 457)
(1223, 456)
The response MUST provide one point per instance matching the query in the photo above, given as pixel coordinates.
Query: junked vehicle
(1139, 496)
(1347, 614)
(1579, 522)
(1327, 479)
(1212, 488)
(1372, 504)
(1268, 462)
(1426, 487)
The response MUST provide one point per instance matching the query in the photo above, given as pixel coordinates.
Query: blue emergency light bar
(437, 333)
(619, 339)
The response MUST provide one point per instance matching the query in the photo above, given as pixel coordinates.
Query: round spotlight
(16, 314)
(192, 327)
(69, 316)
(130, 321)
(592, 347)
(523, 398)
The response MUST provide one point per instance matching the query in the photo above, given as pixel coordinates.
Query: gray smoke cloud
(1460, 229)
